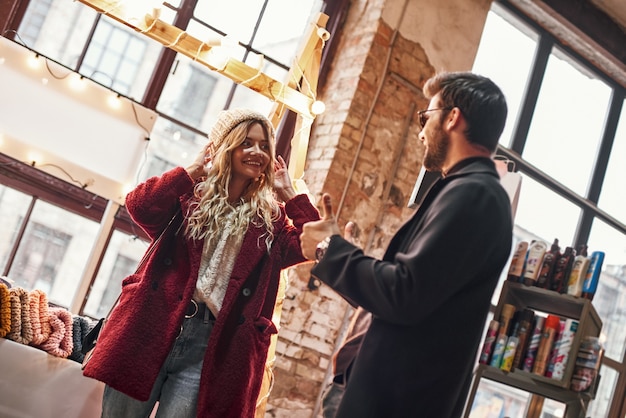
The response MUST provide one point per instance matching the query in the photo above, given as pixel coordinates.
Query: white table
(35, 384)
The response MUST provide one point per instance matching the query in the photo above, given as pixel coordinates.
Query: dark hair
(480, 100)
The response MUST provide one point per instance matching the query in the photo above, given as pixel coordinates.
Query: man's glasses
(422, 118)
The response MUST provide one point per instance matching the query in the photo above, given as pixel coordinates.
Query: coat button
(242, 319)
(167, 261)
(246, 291)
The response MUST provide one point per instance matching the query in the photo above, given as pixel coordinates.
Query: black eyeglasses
(421, 115)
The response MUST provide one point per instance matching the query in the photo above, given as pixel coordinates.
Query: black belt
(198, 310)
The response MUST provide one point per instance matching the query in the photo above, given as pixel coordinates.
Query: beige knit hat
(228, 119)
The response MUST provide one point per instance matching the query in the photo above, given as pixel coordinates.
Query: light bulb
(318, 107)
(127, 188)
(323, 34)
(256, 61)
(138, 9)
(34, 62)
(34, 158)
(218, 58)
(229, 41)
(76, 82)
(114, 101)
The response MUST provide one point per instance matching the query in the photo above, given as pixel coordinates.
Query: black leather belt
(198, 310)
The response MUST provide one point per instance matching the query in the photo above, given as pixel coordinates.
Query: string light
(76, 82)
(34, 157)
(34, 62)
(318, 107)
(114, 101)
(137, 9)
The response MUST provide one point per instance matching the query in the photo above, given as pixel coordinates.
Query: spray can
(533, 344)
(509, 353)
(498, 351)
(546, 341)
(562, 348)
(555, 348)
(490, 339)
(523, 334)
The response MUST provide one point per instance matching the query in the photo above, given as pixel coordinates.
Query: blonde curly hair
(257, 207)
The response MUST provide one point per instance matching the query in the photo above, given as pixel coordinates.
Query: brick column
(364, 151)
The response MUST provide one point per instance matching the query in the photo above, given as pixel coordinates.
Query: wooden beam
(201, 52)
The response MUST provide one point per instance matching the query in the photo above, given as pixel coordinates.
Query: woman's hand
(282, 182)
(199, 168)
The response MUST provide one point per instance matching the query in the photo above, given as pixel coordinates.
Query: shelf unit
(545, 301)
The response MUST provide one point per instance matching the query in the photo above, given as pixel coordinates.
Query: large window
(559, 135)
(47, 245)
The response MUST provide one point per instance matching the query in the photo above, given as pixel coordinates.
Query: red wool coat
(142, 328)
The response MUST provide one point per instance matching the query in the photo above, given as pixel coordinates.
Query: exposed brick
(387, 153)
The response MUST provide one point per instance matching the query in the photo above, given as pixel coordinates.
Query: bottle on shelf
(562, 348)
(536, 251)
(516, 268)
(533, 343)
(548, 335)
(547, 265)
(490, 339)
(579, 272)
(509, 353)
(506, 316)
(523, 334)
(555, 348)
(562, 269)
(590, 284)
(588, 362)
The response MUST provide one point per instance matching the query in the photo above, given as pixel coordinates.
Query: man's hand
(315, 232)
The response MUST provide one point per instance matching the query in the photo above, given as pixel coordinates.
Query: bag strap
(146, 255)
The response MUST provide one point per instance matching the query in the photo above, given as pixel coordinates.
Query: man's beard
(437, 150)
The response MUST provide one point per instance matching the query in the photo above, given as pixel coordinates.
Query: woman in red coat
(192, 328)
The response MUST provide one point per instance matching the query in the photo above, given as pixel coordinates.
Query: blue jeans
(176, 387)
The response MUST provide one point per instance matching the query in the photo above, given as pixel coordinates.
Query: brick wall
(364, 151)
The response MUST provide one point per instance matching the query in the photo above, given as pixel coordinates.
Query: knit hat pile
(60, 342)
(21, 329)
(5, 310)
(227, 120)
(39, 316)
(81, 327)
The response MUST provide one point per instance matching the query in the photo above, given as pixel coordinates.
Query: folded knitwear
(21, 330)
(59, 343)
(81, 327)
(39, 316)
(5, 310)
